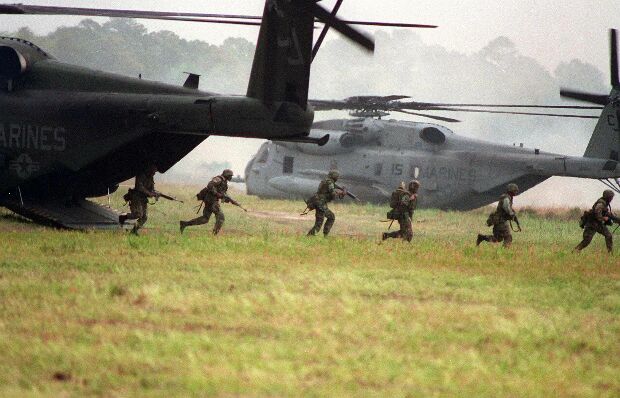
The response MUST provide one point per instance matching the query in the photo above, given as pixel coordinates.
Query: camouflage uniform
(211, 196)
(500, 219)
(596, 223)
(326, 193)
(404, 206)
(137, 197)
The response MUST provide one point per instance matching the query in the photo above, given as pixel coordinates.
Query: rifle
(349, 194)
(233, 202)
(168, 197)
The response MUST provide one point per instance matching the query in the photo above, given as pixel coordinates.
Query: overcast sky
(549, 31)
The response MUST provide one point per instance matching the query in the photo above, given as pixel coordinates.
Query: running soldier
(326, 193)
(211, 196)
(500, 219)
(138, 198)
(403, 203)
(596, 221)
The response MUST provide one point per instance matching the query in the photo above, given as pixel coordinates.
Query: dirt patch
(278, 215)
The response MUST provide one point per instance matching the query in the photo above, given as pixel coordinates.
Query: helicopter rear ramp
(79, 215)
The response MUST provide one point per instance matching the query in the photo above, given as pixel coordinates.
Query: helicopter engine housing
(12, 63)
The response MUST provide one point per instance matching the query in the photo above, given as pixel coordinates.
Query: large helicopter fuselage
(66, 130)
(375, 156)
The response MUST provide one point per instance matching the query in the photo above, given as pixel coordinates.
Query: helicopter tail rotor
(605, 142)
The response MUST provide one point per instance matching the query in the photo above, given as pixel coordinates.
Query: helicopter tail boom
(281, 67)
(605, 141)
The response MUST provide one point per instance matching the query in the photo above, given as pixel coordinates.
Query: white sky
(549, 31)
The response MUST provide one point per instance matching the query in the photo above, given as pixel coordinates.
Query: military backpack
(312, 202)
(202, 195)
(395, 199)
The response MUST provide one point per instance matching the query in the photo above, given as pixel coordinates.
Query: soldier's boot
(327, 227)
(609, 242)
(588, 235)
(134, 230)
(217, 227)
(219, 222)
(384, 236)
(392, 235)
(182, 225)
(122, 218)
(329, 222)
(481, 238)
(316, 228)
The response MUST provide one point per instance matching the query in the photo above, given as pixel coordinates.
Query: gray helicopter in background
(375, 155)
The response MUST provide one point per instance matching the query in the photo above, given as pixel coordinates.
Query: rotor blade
(337, 24)
(105, 12)
(615, 79)
(390, 98)
(511, 113)
(26, 9)
(319, 41)
(321, 105)
(208, 20)
(390, 24)
(585, 97)
(441, 118)
(422, 105)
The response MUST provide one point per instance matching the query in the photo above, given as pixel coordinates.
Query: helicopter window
(433, 135)
(287, 165)
(264, 156)
(378, 169)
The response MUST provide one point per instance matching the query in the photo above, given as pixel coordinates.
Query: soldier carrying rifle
(403, 202)
(501, 219)
(138, 198)
(210, 196)
(328, 190)
(596, 221)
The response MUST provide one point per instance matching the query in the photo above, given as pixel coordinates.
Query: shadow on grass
(15, 218)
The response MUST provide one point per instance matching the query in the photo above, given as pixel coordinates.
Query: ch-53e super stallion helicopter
(456, 172)
(68, 133)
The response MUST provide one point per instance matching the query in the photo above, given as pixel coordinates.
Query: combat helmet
(608, 195)
(413, 186)
(333, 175)
(228, 174)
(512, 188)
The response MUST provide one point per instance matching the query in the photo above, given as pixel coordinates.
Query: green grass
(263, 310)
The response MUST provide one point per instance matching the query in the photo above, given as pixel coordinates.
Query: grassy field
(263, 310)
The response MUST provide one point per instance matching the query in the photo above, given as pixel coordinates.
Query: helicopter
(374, 155)
(69, 133)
